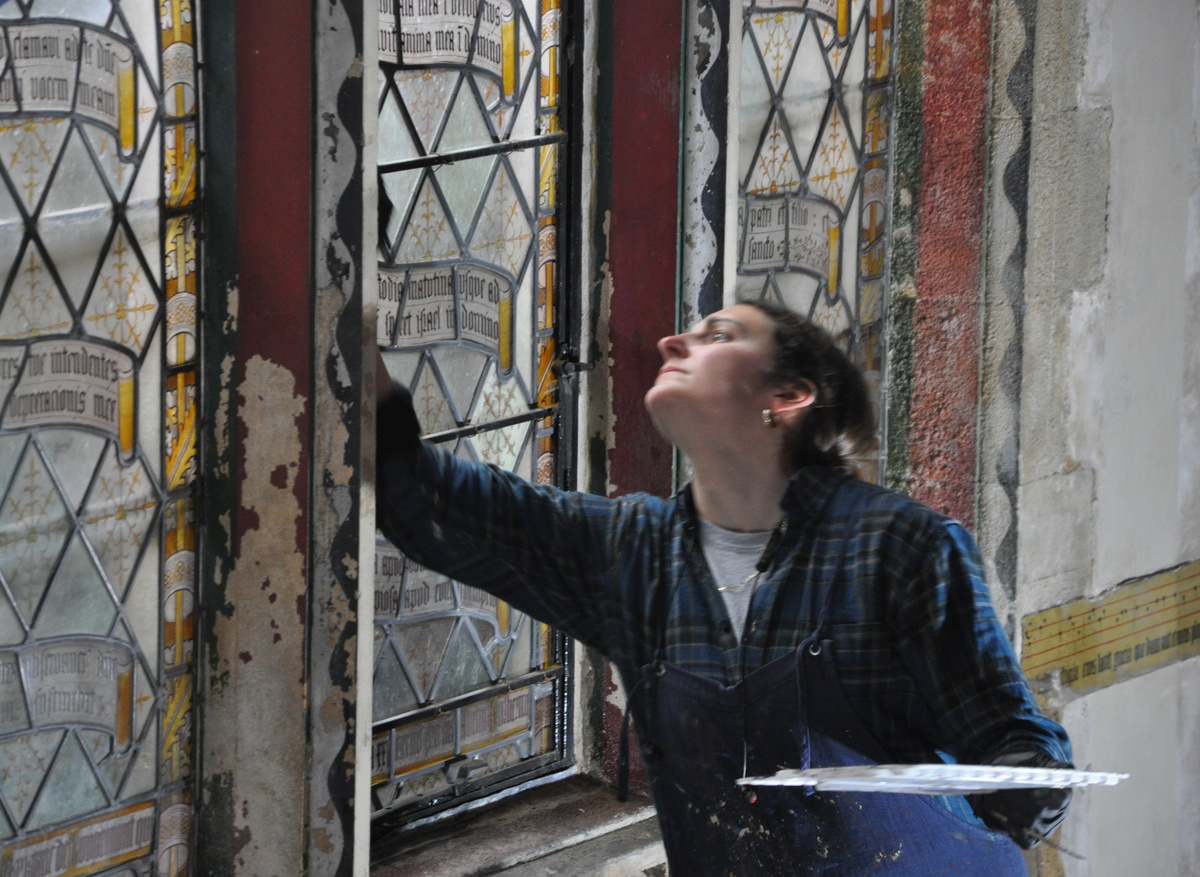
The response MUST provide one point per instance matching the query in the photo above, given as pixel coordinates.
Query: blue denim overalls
(701, 736)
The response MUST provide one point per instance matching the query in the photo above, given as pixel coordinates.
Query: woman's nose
(672, 345)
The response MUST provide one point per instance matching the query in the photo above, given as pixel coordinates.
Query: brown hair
(840, 424)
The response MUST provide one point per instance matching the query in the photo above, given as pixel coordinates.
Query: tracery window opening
(98, 339)
(470, 695)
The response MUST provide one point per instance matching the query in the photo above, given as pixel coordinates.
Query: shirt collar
(810, 488)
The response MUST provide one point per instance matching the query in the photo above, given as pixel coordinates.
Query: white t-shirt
(733, 561)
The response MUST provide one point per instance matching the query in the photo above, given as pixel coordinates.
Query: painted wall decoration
(466, 689)
(1133, 629)
(98, 332)
(816, 98)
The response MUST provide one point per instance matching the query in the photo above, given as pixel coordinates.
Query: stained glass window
(98, 256)
(467, 691)
(816, 100)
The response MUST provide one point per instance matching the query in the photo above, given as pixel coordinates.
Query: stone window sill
(573, 827)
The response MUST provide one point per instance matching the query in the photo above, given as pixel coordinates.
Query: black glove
(397, 425)
(1025, 815)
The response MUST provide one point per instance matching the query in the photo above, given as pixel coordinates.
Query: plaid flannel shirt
(919, 650)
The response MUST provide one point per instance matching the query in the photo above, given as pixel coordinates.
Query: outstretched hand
(383, 379)
(395, 419)
(1028, 816)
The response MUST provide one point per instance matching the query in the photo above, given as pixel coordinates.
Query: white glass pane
(81, 365)
(461, 268)
(395, 141)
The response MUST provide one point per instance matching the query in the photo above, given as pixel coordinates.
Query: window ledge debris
(576, 826)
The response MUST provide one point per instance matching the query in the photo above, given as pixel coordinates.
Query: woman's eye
(719, 335)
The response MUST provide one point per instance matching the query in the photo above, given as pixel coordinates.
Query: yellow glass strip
(180, 156)
(508, 49)
(548, 178)
(506, 340)
(176, 727)
(547, 385)
(547, 638)
(181, 429)
(126, 408)
(181, 532)
(879, 43)
(1133, 629)
(127, 103)
(835, 251)
(551, 31)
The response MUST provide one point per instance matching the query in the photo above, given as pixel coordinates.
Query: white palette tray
(934, 779)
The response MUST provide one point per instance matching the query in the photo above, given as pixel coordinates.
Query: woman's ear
(790, 404)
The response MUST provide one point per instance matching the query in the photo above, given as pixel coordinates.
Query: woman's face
(714, 377)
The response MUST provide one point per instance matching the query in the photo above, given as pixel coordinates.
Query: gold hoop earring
(769, 419)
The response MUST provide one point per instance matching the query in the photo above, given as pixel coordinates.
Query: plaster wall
(1141, 61)
(1108, 413)
(1089, 425)
(1147, 824)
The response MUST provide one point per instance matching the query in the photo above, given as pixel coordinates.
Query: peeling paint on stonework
(339, 538)
(320, 840)
(241, 837)
(213, 820)
(338, 474)
(614, 694)
(256, 709)
(601, 417)
(220, 418)
(331, 131)
(221, 431)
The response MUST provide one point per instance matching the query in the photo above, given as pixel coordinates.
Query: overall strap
(812, 644)
(623, 747)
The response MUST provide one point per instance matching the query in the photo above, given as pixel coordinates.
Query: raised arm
(550, 553)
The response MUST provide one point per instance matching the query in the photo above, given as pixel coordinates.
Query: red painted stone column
(256, 760)
(945, 397)
(644, 220)
(643, 251)
(274, 185)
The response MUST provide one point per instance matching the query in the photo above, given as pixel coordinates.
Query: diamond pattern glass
(98, 359)
(816, 99)
(468, 692)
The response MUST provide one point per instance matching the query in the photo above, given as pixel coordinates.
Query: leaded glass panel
(816, 97)
(98, 346)
(468, 692)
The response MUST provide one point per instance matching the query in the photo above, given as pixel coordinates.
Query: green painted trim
(218, 299)
(906, 186)
(216, 838)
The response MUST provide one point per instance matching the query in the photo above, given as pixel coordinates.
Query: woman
(777, 612)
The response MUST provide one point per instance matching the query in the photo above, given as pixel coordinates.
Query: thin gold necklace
(759, 566)
(726, 588)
